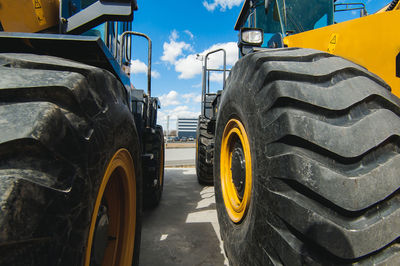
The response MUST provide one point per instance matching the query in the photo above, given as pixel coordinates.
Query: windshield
(291, 16)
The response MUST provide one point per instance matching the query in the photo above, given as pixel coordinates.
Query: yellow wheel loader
(80, 150)
(306, 154)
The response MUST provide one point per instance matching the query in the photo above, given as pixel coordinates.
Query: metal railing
(205, 91)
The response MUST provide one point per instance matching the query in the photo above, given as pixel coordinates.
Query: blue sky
(180, 30)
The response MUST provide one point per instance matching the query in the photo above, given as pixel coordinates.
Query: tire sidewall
(152, 169)
(160, 147)
(238, 238)
(123, 134)
(198, 147)
(204, 177)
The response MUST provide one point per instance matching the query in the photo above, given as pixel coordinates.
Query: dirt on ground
(180, 145)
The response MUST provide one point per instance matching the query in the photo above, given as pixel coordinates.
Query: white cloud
(169, 99)
(191, 36)
(194, 97)
(155, 74)
(189, 66)
(177, 105)
(232, 54)
(198, 85)
(183, 111)
(179, 111)
(222, 4)
(217, 77)
(174, 49)
(174, 35)
(138, 67)
(174, 98)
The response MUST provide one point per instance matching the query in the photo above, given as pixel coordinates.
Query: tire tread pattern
(59, 125)
(204, 169)
(331, 146)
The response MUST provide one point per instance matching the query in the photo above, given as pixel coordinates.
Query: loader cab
(285, 17)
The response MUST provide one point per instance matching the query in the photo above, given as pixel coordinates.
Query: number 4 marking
(333, 40)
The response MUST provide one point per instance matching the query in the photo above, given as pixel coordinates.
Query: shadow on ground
(183, 229)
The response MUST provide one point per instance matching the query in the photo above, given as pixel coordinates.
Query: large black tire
(154, 168)
(204, 166)
(69, 148)
(315, 140)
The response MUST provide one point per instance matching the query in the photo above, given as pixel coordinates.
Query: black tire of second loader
(307, 162)
(70, 175)
(204, 166)
(153, 169)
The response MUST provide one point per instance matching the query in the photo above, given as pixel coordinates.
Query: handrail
(205, 72)
(148, 57)
(123, 35)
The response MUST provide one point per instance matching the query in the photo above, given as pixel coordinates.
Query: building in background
(187, 127)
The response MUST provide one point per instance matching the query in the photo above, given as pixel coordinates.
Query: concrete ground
(180, 157)
(183, 229)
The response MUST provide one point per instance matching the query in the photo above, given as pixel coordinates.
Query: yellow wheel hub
(235, 172)
(115, 213)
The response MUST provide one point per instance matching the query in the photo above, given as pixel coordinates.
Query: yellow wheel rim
(118, 192)
(235, 172)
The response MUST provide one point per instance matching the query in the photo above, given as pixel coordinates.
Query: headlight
(251, 37)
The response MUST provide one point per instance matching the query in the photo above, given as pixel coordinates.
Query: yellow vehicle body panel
(372, 41)
(28, 15)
